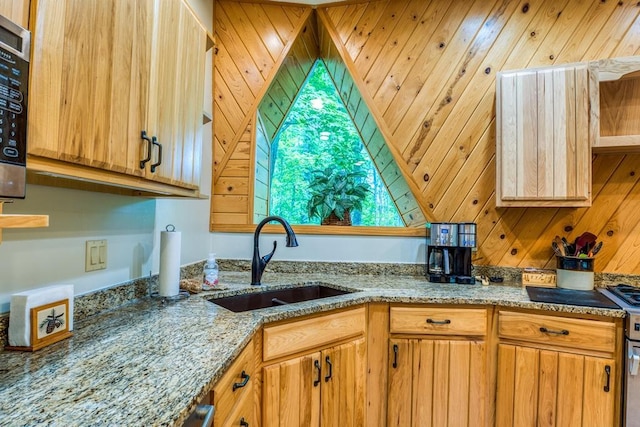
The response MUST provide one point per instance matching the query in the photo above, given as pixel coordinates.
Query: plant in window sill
(334, 194)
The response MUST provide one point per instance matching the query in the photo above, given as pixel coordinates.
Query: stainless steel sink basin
(257, 300)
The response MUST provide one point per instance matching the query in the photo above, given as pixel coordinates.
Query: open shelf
(619, 105)
(21, 221)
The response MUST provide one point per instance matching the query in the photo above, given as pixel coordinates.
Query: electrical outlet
(95, 255)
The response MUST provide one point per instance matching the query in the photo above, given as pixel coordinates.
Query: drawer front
(561, 331)
(298, 336)
(243, 414)
(233, 386)
(438, 321)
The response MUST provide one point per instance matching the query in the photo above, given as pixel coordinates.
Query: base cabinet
(557, 371)
(437, 366)
(553, 388)
(427, 365)
(436, 383)
(324, 388)
(233, 395)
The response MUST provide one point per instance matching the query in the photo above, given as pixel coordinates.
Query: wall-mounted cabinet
(543, 141)
(615, 93)
(16, 10)
(116, 94)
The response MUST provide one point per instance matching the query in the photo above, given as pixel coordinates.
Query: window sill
(325, 229)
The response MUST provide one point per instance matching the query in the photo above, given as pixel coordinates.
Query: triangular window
(315, 153)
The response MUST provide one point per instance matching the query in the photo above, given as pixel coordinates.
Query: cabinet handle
(243, 423)
(245, 379)
(149, 148)
(154, 141)
(607, 370)
(395, 355)
(328, 377)
(439, 322)
(316, 363)
(551, 331)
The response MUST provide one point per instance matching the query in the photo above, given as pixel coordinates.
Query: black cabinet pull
(316, 364)
(607, 370)
(395, 355)
(149, 148)
(328, 377)
(439, 322)
(154, 141)
(551, 331)
(243, 423)
(245, 379)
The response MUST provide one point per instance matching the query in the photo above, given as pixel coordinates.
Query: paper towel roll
(169, 280)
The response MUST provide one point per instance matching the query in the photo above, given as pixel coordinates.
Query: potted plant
(334, 194)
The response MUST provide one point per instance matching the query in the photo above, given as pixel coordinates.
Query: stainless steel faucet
(258, 264)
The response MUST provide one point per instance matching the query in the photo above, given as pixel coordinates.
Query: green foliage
(336, 191)
(313, 138)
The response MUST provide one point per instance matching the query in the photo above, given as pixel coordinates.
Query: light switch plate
(95, 255)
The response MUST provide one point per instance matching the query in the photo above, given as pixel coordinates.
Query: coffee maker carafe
(449, 247)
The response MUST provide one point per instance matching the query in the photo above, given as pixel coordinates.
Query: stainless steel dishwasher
(202, 416)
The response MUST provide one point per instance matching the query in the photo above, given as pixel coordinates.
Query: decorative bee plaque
(49, 324)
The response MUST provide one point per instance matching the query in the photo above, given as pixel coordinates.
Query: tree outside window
(319, 134)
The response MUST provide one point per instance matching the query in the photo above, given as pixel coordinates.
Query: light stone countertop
(149, 363)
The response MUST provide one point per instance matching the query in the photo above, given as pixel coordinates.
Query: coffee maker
(449, 247)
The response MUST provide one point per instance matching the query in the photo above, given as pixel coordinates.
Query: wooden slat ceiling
(426, 70)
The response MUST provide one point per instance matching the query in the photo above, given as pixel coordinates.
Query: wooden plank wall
(290, 78)
(262, 180)
(251, 42)
(427, 71)
(233, 190)
(374, 142)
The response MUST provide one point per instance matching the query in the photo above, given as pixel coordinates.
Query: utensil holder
(574, 273)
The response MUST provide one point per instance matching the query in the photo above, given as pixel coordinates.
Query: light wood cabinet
(551, 372)
(105, 71)
(234, 394)
(16, 10)
(323, 386)
(543, 155)
(437, 383)
(615, 93)
(438, 379)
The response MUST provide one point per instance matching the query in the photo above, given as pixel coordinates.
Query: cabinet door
(177, 94)
(543, 153)
(16, 10)
(400, 383)
(549, 388)
(343, 385)
(89, 82)
(437, 383)
(291, 392)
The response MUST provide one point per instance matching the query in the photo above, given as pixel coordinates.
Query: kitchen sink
(264, 299)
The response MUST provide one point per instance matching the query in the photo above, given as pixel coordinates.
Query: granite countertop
(149, 362)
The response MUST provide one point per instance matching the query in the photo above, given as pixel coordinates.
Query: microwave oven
(15, 46)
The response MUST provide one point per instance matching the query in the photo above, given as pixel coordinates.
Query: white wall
(324, 248)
